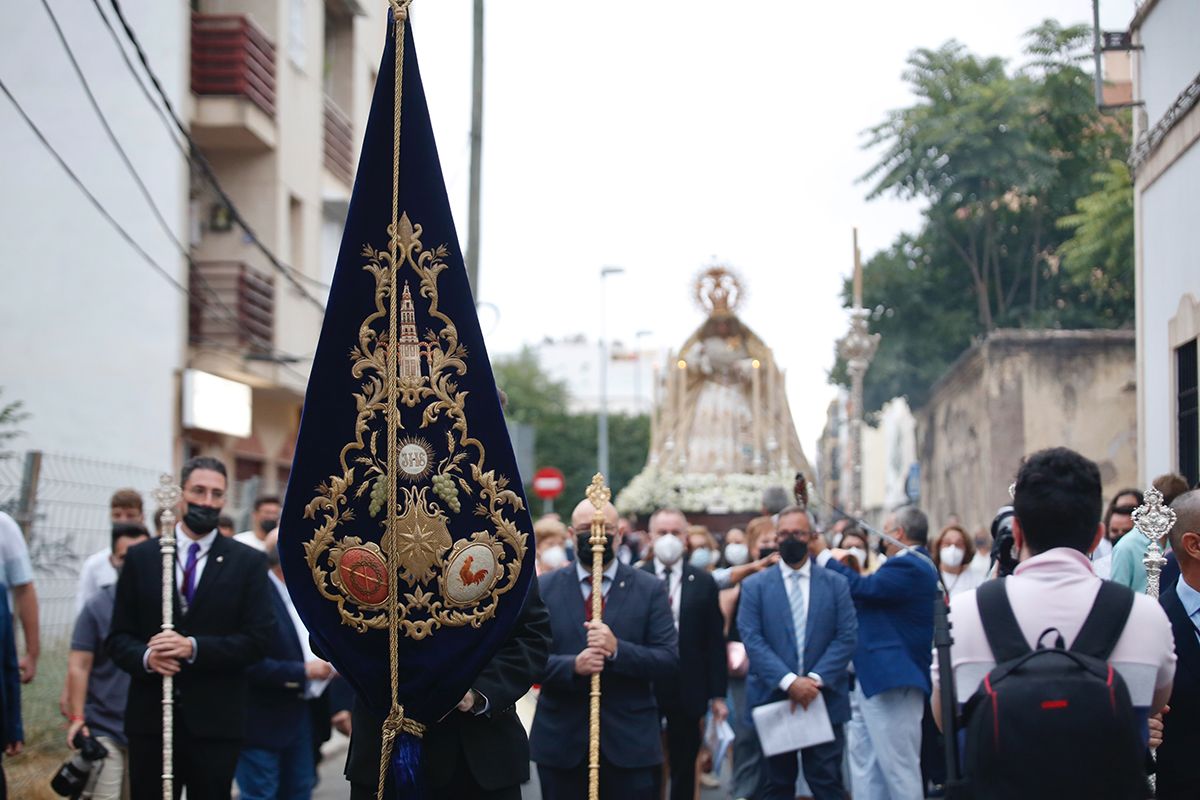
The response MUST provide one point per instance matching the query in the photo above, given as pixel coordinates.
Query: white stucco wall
(92, 336)
(1171, 58)
(1171, 269)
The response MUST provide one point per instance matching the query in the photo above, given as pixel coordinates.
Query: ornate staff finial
(598, 493)
(167, 497)
(1154, 520)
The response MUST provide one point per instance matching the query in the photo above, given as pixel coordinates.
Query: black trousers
(822, 770)
(204, 766)
(616, 783)
(683, 745)
(462, 787)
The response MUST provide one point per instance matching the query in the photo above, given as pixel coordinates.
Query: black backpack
(1053, 722)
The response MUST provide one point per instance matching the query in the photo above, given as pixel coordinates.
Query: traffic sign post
(548, 483)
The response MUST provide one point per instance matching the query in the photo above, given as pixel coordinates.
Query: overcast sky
(659, 136)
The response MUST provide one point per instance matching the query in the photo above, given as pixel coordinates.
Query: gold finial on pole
(167, 497)
(598, 494)
(1154, 520)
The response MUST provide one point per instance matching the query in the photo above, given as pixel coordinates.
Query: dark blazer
(277, 706)
(231, 620)
(1181, 725)
(701, 646)
(493, 745)
(830, 633)
(636, 610)
(895, 622)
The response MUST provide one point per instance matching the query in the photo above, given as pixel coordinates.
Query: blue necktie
(799, 615)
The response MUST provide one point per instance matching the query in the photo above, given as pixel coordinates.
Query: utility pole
(476, 151)
(857, 347)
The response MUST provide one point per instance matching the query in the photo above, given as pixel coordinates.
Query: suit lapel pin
(220, 559)
(621, 584)
(691, 577)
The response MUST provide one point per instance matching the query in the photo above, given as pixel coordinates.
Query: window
(297, 34)
(1188, 421)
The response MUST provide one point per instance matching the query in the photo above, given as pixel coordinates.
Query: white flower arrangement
(710, 493)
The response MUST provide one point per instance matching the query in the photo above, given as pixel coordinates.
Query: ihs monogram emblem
(408, 486)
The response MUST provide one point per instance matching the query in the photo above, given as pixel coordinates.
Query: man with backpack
(1059, 671)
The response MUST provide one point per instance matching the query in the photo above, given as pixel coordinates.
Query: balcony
(233, 78)
(339, 143)
(232, 307)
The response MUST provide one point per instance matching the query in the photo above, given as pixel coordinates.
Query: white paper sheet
(718, 737)
(781, 730)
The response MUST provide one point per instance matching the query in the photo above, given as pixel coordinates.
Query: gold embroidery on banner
(472, 573)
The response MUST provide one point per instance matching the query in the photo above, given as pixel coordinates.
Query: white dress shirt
(183, 543)
(585, 579)
(805, 588)
(674, 586)
(250, 539)
(312, 688)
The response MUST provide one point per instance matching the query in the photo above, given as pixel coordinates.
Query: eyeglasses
(794, 534)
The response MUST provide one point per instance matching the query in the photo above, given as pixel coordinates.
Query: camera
(1004, 544)
(72, 777)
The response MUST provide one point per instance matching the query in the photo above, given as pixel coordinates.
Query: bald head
(581, 517)
(1187, 521)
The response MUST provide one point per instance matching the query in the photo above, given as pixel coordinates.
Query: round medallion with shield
(471, 572)
(360, 571)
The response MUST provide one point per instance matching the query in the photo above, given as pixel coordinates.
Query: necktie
(672, 596)
(189, 572)
(587, 596)
(799, 615)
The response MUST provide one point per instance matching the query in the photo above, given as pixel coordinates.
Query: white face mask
(668, 549)
(700, 559)
(737, 553)
(952, 555)
(860, 556)
(554, 556)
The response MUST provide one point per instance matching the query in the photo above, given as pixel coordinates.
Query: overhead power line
(289, 272)
(104, 212)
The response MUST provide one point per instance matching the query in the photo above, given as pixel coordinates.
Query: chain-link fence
(62, 505)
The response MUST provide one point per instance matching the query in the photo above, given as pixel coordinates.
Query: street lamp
(602, 427)
(637, 369)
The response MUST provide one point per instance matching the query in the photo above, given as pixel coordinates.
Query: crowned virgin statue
(722, 429)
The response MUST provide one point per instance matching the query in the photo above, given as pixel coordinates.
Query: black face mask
(583, 548)
(201, 519)
(793, 551)
(764, 552)
(269, 525)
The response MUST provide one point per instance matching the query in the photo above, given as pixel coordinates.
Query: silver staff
(167, 497)
(1154, 520)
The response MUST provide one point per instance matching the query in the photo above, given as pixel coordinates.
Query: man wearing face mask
(798, 624)
(263, 520)
(223, 624)
(635, 645)
(692, 596)
(895, 615)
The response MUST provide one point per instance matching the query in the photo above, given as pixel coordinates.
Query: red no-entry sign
(548, 483)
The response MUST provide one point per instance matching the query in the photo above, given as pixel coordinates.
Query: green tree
(11, 415)
(568, 440)
(999, 158)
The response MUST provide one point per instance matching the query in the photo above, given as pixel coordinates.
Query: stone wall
(1017, 392)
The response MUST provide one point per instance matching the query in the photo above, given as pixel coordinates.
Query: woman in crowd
(953, 553)
(702, 548)
(551, 536)
(854, 540)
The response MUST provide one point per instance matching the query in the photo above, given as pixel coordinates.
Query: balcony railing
(232, 306)
(339, 142)
(232, 56)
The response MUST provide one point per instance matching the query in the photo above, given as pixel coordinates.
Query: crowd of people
(698, 630)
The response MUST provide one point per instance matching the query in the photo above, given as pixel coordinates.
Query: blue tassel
(406, 768)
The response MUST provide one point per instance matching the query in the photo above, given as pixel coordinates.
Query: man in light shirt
(263, 520)
(98, 569)
(1056, 525)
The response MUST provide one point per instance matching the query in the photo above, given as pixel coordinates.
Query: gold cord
(396, 722)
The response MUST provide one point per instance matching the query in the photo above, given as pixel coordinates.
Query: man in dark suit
(277, 759)
(1177, 776)
(479, 750)
(223, 624)
(692, 596)
(891, 662)
(798, 624)
(635, 646)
